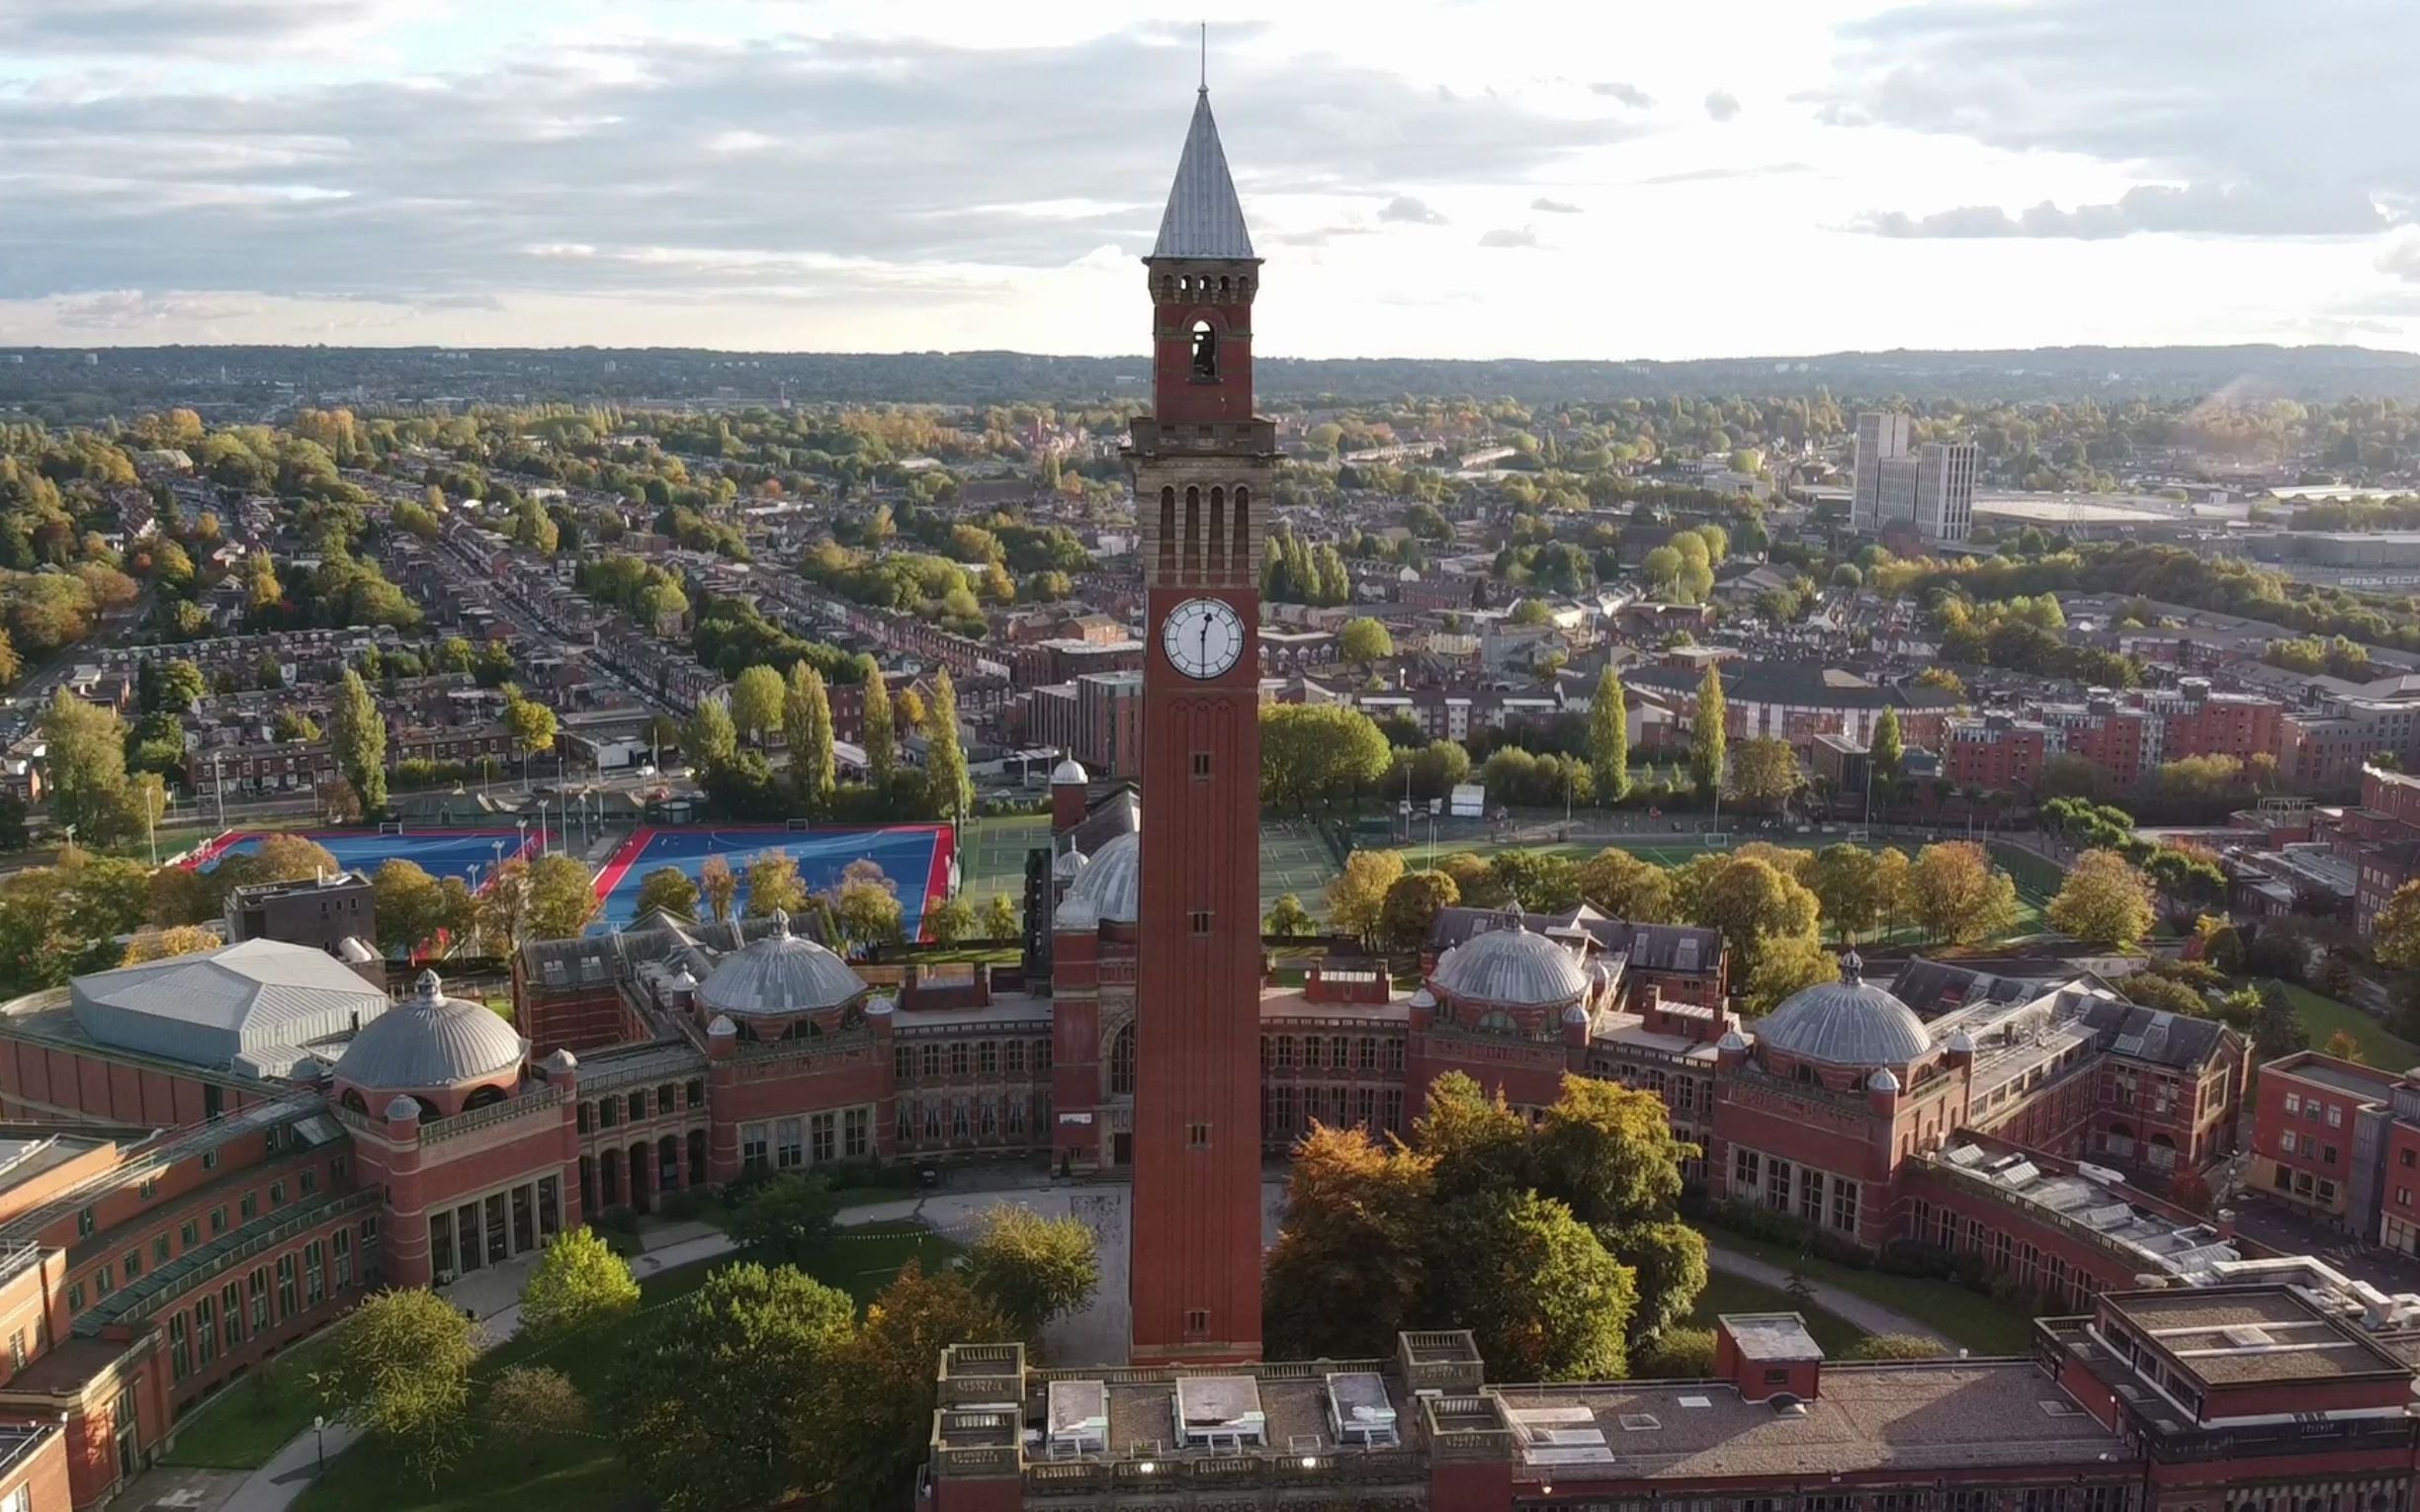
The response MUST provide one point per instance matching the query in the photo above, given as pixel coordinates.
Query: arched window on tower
(1218, 534)
(1122, 1063)
(1168, 533)
(1241, 553)
(1192, 532)
(1205, 352)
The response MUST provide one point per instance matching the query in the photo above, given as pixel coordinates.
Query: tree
(1538, 882)
(865, 906)
(86, 767)
(2344, 1047)
(1848, 886)
(1765, 772)
(1784, 966)
(1618, 884)
(788, 1216)
(949, 790)
(2395, 935)
(2277, 1028)
(537, 1399)
(1356, 899)
(531, 726)
(178, 686)
(1411, 907)
(773, 884)
(708, 1397)
(756, 703)
(1957, 895)
(879, 740)
(2105, 902)
(503, 918)
(412, 906)
(1753, 905)
(577, 1283)
(1033, 1270)
(1364, 643)
(360, 741)
(1706, 734)
(1607, 1153)
(1287, 916)
(160, 944)
(283, 857)
(1540, 1293)
(807, 725)
(1675, 1353)
(1896, 1346)
(670, 890)
(950, 920)
(403, 1377)
(1356, 1223)
(871, 1425)
(1318, 754)
(710, 738)
(1002, 920)
(719, 885)
(562, 896)
(1608, 742)
(1885, 752)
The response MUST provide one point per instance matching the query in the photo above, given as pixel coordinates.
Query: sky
(1425, 178)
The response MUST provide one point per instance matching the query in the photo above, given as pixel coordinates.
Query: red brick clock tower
(1204, 468)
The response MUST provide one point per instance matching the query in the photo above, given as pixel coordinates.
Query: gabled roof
(1203, 219)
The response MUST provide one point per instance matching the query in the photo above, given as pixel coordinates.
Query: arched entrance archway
(641, 1188)
(697, 1158)
(667, 1164)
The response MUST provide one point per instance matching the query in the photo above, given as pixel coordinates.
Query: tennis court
(914, 857)
(992, 854)
(469, 854)
(1295, 860)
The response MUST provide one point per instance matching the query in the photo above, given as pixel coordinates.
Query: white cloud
(1509, 236)
(1721, 105)
(1406, 211)
(1554, 207)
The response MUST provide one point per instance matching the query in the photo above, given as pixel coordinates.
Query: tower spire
(1205, 57)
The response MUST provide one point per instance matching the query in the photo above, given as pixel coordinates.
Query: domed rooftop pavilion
(1845, 1024)
(446, 1054)
(779, 979)
(1108, 887)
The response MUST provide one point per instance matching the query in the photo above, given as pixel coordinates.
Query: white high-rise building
(1930, 486)
(1879, 438)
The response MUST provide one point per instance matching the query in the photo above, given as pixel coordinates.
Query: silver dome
(1883, 1080)
(1845, 1023)
(1512, 968)
(430, 1039)
(1110, 884)
(1069, 773)
(780, 973)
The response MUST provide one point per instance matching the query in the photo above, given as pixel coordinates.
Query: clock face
(1202, 637)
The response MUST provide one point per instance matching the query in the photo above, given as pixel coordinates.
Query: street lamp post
(319, 1432)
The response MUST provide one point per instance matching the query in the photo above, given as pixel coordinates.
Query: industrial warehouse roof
(214, 1007)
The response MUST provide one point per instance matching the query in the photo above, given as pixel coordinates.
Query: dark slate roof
(2155, 1034)
(1783, 682)
(1650, 947)
(1936, 987)
(1119, 813)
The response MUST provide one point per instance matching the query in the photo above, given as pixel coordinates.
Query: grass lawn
(2323, 1016)
(1737, 1293)
(507, 1470)
(1967, 1319)
(256, 1413)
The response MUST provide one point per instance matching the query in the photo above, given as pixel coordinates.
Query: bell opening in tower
(1205, 352)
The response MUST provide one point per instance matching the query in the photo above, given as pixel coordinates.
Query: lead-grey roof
(1511, 967)
(1203, 219)
(1111, 887)
(213, 1007)
(429, 1041)
(1845, 1023)
(779, 974)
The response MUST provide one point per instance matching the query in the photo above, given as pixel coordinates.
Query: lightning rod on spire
(1205, 57)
